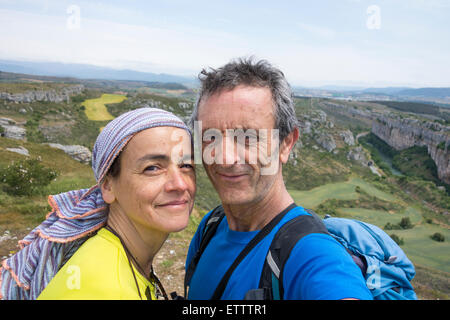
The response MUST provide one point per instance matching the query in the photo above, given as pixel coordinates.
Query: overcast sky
(346, 42)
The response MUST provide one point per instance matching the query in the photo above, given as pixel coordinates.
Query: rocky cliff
(54, 95)
(402, 133)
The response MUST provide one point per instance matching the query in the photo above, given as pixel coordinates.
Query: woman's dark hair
(114, 169)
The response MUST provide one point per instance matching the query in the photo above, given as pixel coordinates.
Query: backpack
(383, 264)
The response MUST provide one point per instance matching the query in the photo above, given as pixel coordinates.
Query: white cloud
(39, 37)
(184, 49)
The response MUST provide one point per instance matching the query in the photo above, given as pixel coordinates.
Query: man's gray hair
(245, 71)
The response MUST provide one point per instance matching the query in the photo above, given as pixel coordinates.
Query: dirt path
(169, 264)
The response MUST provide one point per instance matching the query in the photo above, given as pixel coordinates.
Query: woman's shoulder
(93, 272)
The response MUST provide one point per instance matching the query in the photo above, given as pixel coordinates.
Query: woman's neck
(142, 243)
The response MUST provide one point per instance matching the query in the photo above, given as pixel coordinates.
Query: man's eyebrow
(188, 157)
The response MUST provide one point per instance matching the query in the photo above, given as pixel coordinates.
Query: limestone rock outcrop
(12, 130)
(53, 95)
(77, 152)
(402, 133)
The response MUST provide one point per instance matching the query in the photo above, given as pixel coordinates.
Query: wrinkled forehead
(239, 108)
(168, 143)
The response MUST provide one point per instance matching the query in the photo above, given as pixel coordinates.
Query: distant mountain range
(389, 91)
(84, 71)
(436, 96)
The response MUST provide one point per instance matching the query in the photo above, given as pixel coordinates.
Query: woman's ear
(107, 189)
(287, 145)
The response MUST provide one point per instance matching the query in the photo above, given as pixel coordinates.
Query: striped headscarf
(75, 214)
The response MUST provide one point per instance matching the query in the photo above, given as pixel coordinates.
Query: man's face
(237, 170)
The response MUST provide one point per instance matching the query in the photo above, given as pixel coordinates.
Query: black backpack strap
(271, 282)
(259, 236)
(209, 230)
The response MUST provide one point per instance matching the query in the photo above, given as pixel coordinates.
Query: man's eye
(249, 140)
(187, 165)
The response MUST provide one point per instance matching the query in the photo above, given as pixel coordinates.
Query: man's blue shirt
(318, 267)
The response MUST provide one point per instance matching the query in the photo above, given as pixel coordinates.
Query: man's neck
(254, 216)
(141, 243)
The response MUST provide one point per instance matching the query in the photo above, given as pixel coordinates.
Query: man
(241, 110)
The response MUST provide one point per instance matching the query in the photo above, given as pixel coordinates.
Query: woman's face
(156, 184)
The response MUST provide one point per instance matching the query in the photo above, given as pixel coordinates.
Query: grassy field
(417, 243)
(96, 108)
(340, 190)
(19, 213)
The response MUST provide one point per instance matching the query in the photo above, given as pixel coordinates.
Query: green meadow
(340, 190)
(96, 108)
(418, 245)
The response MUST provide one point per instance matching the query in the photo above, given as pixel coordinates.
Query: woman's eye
(210, 139)
(151, 168)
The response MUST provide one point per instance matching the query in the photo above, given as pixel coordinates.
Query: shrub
(26, 177)
(397, 239)
(439, 237)
(390, 226)
(405, 223)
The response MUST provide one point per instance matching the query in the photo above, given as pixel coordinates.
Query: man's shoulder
(318, 261)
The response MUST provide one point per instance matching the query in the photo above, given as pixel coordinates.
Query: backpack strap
(259, 236)
(209, 230)
(271, 282)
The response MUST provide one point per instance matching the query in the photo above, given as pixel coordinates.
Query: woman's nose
(176, 180)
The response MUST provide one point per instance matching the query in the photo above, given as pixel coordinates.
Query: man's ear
(287, 145)
(107, 190)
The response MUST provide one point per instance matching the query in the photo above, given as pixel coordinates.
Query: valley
(329, 171)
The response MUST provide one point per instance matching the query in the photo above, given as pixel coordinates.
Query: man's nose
(230, 151)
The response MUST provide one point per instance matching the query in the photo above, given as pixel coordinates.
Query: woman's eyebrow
(164, 157)
(147, 157)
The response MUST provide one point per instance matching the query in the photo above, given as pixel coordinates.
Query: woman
(100, 243)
